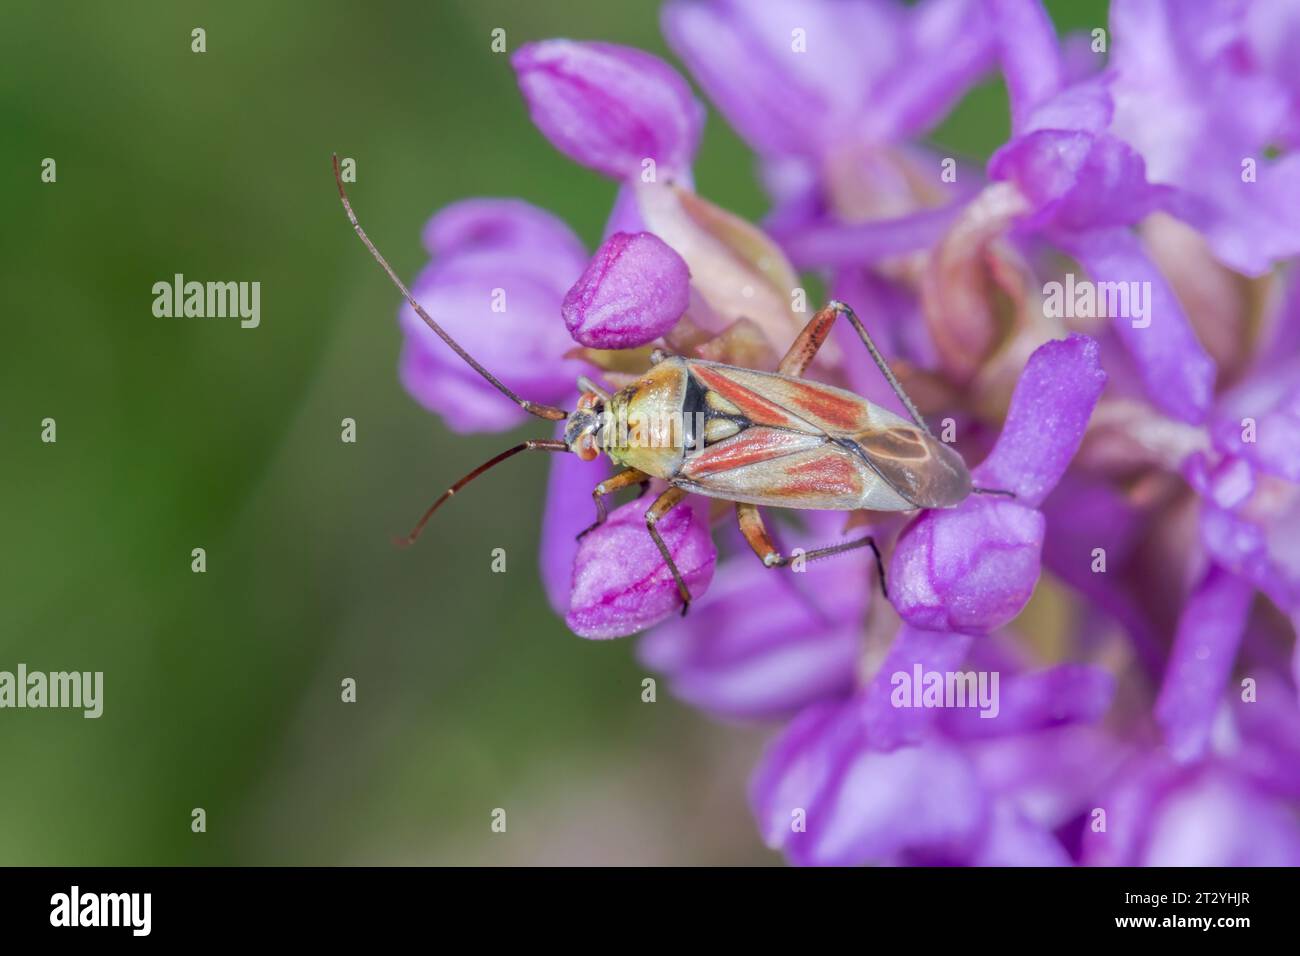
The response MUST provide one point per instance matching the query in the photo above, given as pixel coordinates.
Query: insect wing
(813, 473)
(922, 469)
(899, 466)
(751, 400)
(795, 403)
(756, 445)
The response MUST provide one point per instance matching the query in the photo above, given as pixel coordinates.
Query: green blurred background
(222, 690)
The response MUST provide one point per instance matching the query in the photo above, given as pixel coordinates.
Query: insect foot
(663, 504)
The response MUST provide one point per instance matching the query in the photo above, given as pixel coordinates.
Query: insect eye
(585, 448)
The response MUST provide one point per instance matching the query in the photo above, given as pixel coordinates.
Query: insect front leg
(755, 532)
(623, 479)
(662, 505)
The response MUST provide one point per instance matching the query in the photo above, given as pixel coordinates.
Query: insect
(755, 438)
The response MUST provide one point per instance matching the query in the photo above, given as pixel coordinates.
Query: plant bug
(754, 438)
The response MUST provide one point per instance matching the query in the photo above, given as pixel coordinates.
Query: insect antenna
(533, 444)
(535, 408)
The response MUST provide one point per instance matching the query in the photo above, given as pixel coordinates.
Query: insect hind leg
(755, 532)
(809, 341)
(839, 308)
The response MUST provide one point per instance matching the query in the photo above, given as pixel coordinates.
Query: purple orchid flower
(633, 292)
(621, 584)
(829, 93)
(1153, 506)
(507, 278)
(682, 258)
(501, 268)
(1248, 481)
(876, 778)
(610, 108)
(766, 645)
(1091, 161)
(1083, 187)
(972, 569)
(614, 109)
(1232, 806)
(1201, 92)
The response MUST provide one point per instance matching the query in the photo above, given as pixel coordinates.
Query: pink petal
(1049, 413)
(610, 107)
(1200, 663)
(633, 291)
(620, 581)
(969, 570)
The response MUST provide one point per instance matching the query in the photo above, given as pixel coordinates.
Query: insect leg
(585, 384)
(662, 505)
(607, 487)
(805, 347)
(837, 308)
(755, 532)
(993, 491)
(868, 541)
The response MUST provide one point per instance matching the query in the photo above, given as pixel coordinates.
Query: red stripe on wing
(829, 472)
(759, 410)
(755, 444)
(830, 408)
